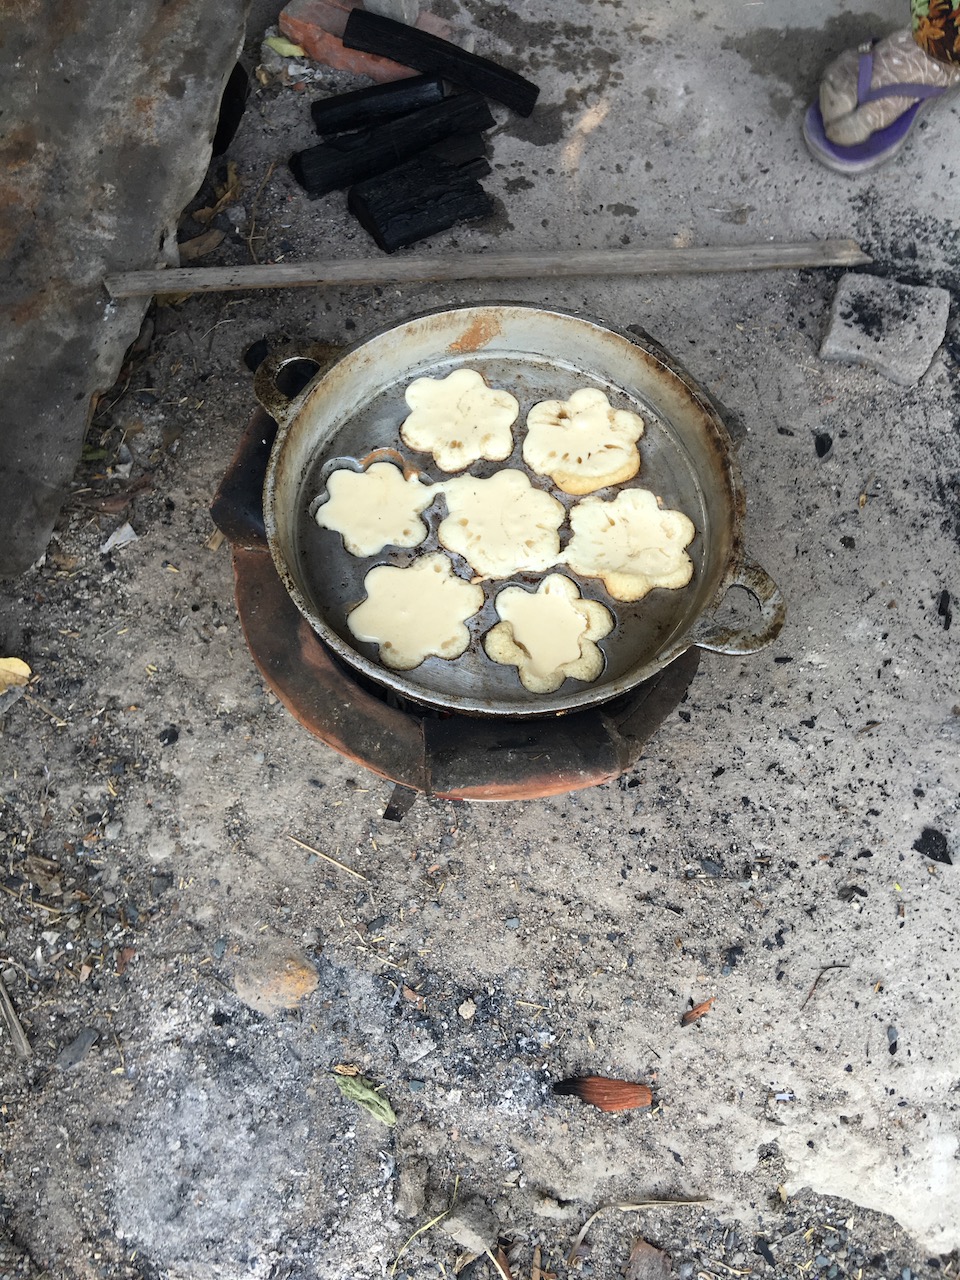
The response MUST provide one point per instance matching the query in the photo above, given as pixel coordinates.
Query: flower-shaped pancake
(632, 543)
(549, 634)
(583, 443)
(376, 508)
(501, 525)
(459, 419)
(416, 612)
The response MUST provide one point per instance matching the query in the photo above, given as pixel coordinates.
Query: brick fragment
(890, 327)
(318, 25)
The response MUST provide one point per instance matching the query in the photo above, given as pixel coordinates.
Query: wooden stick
(490, 266)
(327, 858)
(21, 1044)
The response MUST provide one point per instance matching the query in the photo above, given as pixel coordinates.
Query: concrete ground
(171, 1121)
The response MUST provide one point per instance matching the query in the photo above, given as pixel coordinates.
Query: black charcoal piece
(357, 156)
(365, 107)
(372, 33)
(933, 845)
(419, 199)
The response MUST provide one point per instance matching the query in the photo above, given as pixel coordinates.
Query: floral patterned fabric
(936, 28)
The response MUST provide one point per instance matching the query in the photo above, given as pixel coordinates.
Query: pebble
(512, 923)
(112, 829)
(472, 1225)
(686, 1270)
(272, 982)
(417, 1086)
(467, 1009)
(78, 1049)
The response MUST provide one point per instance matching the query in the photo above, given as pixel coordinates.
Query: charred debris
(410, 154)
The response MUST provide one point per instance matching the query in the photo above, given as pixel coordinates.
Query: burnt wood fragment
(365, 107)
(419, 199)
(353, 157)
(372, 33)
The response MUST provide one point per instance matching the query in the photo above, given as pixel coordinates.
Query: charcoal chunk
(381, 102)
(372, 33)
(418, 199)
(354, 157)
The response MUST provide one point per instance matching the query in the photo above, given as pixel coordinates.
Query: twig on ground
(253, 209)
(627, 1208)
(21, 1044)
(826, 969)
(327, 858)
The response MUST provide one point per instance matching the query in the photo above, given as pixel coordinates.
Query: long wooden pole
(490, 266)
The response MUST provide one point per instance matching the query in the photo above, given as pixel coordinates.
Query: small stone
(891, 327)
(821, 1260)
(415, 1044)
(236, 215)
(275, 981)
(78, 1049)
(112, 830)
(417, 1086)
(512, 923)
(472, 1225)
(467, 1010)
(411, 1193)
(686, 1270)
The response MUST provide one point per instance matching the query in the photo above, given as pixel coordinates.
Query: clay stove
(450, 756)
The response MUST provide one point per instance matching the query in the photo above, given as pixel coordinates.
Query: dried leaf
(200, 246)
(346, 1069)
(124, 958)
(697, 1012)
(648, 1263)
(500, 1261)
(14, 673)
(357, 1089)
(227, 193)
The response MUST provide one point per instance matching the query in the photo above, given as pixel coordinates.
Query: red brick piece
(317, 25)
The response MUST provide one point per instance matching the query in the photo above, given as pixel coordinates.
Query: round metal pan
(357, 405)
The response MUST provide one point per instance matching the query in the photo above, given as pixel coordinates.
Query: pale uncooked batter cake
(415, 612)
(375, 508)
(549, 634)
(502, 525)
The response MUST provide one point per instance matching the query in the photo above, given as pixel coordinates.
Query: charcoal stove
(445, 755)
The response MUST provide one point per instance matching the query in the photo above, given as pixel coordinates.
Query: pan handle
(773, 614)
(277, 382)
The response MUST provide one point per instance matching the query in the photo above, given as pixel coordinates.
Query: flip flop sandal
(882, 145)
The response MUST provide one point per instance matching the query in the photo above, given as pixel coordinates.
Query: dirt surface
(188, 977)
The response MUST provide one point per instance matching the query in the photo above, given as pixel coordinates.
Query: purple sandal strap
(906, 90)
